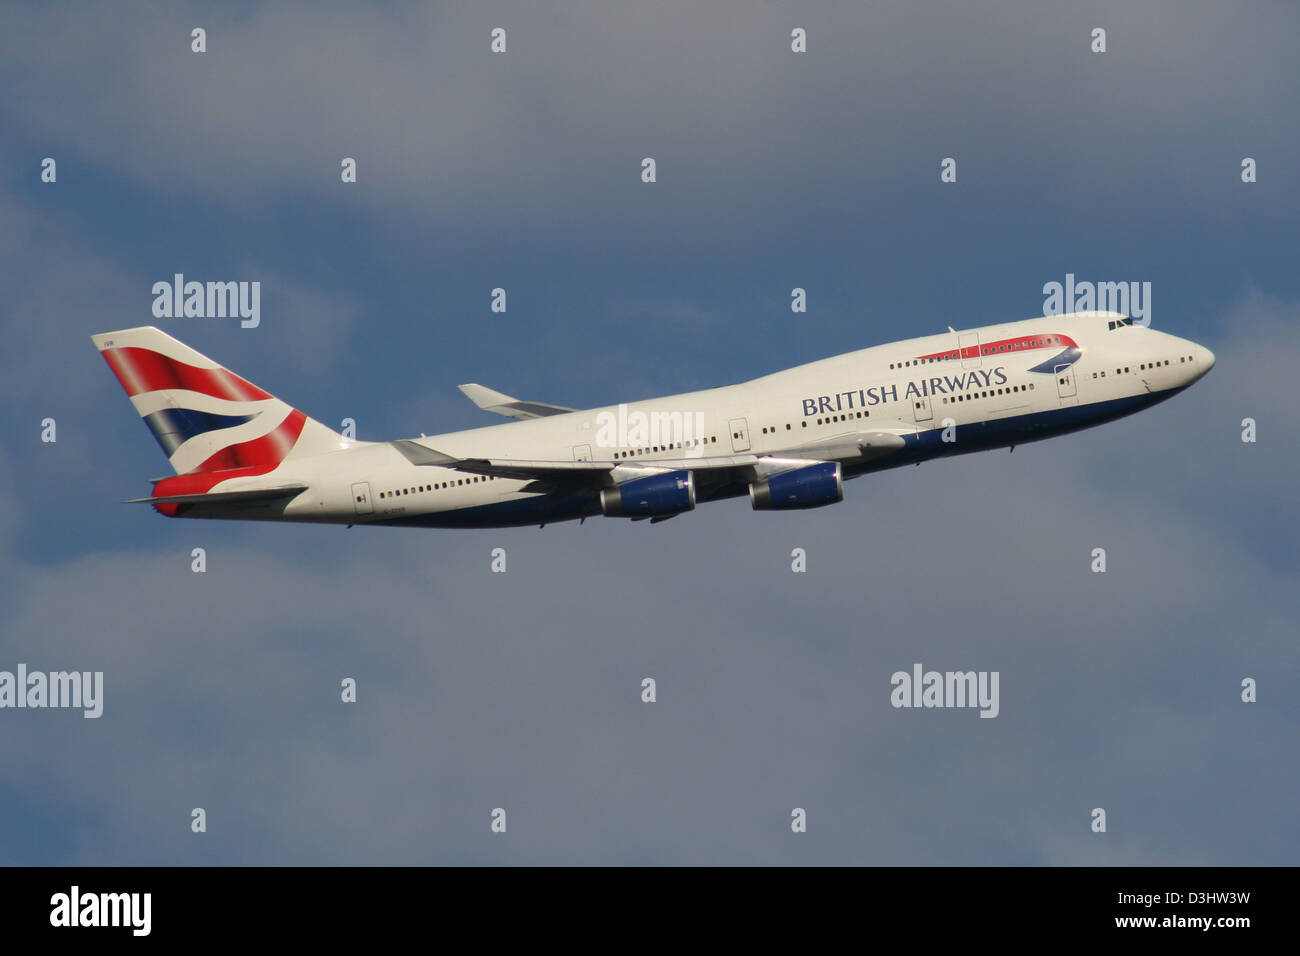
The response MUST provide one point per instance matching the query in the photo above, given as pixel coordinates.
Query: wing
(713, 472)
(491, 400)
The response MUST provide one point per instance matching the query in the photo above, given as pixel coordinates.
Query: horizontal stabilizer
(491, 400)
(225, 497)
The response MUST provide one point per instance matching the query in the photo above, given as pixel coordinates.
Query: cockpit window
(1119, 323)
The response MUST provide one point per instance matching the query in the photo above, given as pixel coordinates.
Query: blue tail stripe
(172, 427)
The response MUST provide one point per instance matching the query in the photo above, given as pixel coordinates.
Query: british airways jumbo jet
(787, 440)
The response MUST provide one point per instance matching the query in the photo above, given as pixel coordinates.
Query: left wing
(491, 400)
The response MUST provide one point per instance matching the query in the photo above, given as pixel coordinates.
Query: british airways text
(878, 394)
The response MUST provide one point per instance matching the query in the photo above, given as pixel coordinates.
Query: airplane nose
(1206, 358)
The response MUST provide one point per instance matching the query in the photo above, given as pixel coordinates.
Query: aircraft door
(969, 343)
(582, 453)
(1065, 381)
(361, 497)
(921, 408)
(739, 434)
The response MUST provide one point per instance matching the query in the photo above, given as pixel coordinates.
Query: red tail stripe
(200, 484)
(267, 451)
(246, 460)
(144, 370)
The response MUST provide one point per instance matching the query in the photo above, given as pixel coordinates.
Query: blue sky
(775, 170)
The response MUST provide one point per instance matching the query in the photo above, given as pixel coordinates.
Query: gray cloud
(521, 690)
(739, 125)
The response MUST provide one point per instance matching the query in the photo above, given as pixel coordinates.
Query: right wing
(714, 471)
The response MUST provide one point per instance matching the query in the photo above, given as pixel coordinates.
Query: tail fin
(205, 417)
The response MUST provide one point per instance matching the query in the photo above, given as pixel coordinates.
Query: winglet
(490, 400)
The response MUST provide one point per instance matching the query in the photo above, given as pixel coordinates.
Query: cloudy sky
(522, 690)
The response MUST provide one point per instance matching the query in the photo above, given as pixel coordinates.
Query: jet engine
(809, 487)
(656, 496)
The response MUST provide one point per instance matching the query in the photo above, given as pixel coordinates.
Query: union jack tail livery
(207, 419)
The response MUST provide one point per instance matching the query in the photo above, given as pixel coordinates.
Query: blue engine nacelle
(658, 495)
(809, 487)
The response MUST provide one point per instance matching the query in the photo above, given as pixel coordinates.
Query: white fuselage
(944, 394)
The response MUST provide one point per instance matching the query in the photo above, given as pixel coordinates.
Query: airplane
(788, 440)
